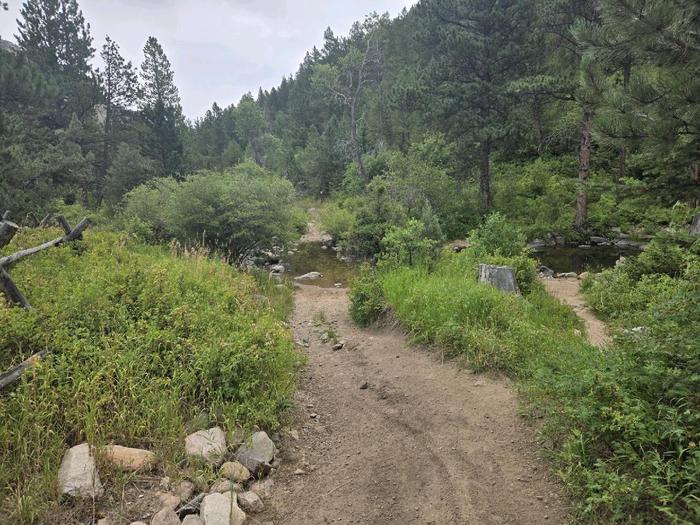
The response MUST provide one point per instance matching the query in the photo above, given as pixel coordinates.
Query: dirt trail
(423, 443)
(568, 292)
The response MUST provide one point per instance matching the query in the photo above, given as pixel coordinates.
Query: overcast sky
(220, 49)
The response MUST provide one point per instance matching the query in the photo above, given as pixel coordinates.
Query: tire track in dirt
(424, 443)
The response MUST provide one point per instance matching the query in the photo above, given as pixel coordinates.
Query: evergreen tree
(56, 34)
(160, 107)
(119, 88)
(480, 47)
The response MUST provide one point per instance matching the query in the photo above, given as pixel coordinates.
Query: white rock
(209, 445)
(78, 475)
(221, 509)
(138, 523)
(257, 453)
(165, 517)
(250, 502)
(131, 459)
(168, 501)
(192, 519)
(311, 276)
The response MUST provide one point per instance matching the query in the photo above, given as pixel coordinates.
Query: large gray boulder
(257, 454)
(695, 225)
(501, 277)
(221, 509)
(78, 475)
(209, 445)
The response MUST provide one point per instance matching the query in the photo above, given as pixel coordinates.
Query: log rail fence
(8, 229)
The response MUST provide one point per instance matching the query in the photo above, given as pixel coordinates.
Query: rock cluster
(240, 489)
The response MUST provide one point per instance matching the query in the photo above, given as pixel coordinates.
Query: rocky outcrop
(78, 475)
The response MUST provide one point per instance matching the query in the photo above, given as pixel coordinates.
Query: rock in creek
(257, 453)
(501, 277)
(221, 509)
(78, 475)
(192, 519)
(209, 445)
(130, 459)
(311, 276)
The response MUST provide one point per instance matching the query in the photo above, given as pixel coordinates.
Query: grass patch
(147, 346)
(625, 421)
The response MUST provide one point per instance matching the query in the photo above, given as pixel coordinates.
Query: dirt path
(568, 292)
(422, 443)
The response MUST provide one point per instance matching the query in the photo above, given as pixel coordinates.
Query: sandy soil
(423, 443)
(568, 292)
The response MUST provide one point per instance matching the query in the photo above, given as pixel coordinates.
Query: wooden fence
(8, 230)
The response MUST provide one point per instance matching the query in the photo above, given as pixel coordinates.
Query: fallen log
(7, 232)
(73, 235)
(45, 221)
(8, 286)
(13, 375)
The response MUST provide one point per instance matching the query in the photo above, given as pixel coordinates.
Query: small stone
(294, 435)
(221, 509)
(130, 459)
(583, 275)
(164, 483)
(257, 453)
(222, 485)
(262, 488)
(250, 502)
(364, 386)
(168, 501)
(338, 285)
(104, 521)
(138, 523)
(78, 474)
(339, 345)
(165, 517)
(313, 415)
(209, 445)
(311, 276)
(185, 491)
(192, 519)
(299, 472)
(235, 471)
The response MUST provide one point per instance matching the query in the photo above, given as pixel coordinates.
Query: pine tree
(157, 77)
(479, 47)
(160, 107)
(119, 88)
(55, 33)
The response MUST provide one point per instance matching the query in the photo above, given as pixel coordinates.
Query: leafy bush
(144, 345)
(236, 211)
(366, 297)
(336, 220)
(410, 244)
(497, 236)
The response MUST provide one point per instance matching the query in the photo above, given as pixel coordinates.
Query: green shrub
(497, 236)
(146, 346)
(410, 244)
(366, 297)
(236, 211)
(336, 220)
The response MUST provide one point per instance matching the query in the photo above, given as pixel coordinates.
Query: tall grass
(146, 346)
(624, 421)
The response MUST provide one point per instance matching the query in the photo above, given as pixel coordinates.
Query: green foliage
(336, 219)
(146, 346)
(412, 244)
(366, 297)
(497, 236)
(236, 211)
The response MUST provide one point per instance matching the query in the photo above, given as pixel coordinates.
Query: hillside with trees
(412, 157)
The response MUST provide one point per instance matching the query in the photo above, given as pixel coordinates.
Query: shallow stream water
(312, 257)
(576, 259)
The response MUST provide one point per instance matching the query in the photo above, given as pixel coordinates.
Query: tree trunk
(356, 153)
(7, 232)
(485, 176)
(584, 168)
(695, 178)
